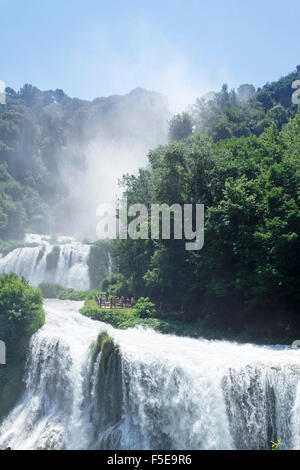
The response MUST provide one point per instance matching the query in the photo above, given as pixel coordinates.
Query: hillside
(45, 140)
(243, 163)
(238, 113)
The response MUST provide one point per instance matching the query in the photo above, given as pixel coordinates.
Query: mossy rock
(52, 259)
(106, 345)
(97, 346)
(108, 398)
(40, 255)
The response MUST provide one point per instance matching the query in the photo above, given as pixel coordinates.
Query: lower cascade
(145, 391)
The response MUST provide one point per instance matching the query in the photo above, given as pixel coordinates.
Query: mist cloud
(155, 63)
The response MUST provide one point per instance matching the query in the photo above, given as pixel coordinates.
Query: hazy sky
(185, 48)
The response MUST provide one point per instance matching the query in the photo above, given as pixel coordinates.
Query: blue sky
(185, 48)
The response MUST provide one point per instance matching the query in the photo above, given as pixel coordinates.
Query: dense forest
(240, 157)
(44, 137)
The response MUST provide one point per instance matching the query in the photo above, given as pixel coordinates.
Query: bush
(116, 285)
(119, 317)
(21, 315)
(55, 291)
(90, 309)
(49, 290)
(144, 308)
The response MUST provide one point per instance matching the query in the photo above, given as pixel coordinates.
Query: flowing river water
(157, 392)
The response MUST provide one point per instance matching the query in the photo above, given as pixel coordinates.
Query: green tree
(180, 127)
(21, 315)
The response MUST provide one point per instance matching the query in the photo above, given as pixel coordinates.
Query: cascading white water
(71, 269)
(160, 392)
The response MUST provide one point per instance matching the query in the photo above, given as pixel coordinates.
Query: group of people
(114, 302)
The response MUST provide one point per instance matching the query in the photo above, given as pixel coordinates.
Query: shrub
(119, 317)
(144, 308)
(21, 315)
(49, 290)
(116, 285)
(55, 291)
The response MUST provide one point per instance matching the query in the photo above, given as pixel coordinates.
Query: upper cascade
(63, 262)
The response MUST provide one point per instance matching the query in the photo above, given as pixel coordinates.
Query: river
(160, 392)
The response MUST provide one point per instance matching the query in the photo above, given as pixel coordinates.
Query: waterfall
(154, 391)
(69, 268)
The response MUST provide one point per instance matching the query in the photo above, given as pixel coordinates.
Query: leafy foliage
(21, 315)
(180, 127)
(98, 262)
(243, 113)
(144, 308)
(247, 274)
(116, 285)
(56, 291)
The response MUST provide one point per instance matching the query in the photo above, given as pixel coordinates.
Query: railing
(109, 304)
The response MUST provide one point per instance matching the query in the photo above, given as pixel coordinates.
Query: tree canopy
(242, 162)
